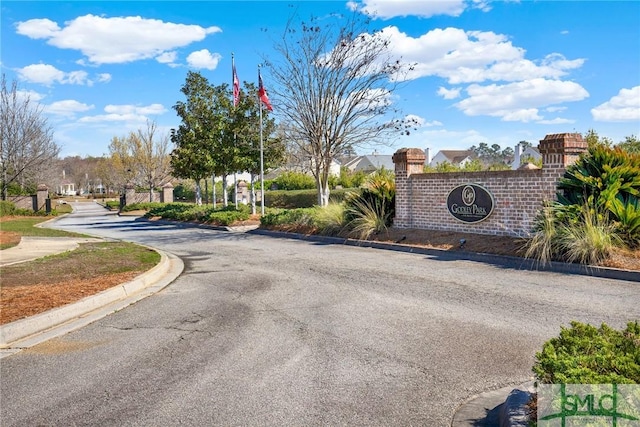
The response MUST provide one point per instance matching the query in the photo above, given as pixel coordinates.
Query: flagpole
(233, 87)
(261, 155)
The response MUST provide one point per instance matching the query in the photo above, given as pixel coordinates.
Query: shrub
(144, 206)
(294, 181)
(330, 220)
(301, 198)
(7, 208)
(584, 354)
(227, 217)
(301, 216)
(373, 208)
(564, 233)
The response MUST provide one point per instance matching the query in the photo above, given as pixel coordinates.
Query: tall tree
(26, 140)
(246, 126)
(631, 144)
(194, 139)
(334, 82)
(141, 157)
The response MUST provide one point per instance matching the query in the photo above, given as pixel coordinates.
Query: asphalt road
(273, 332)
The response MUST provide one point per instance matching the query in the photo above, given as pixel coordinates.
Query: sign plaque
(470, 203)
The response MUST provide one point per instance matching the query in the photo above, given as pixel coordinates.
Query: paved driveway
(271, 332)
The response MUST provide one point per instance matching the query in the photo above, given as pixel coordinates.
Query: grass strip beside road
(13, 228)
(36, 286)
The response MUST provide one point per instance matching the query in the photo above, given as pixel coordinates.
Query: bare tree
(141, 158)
(26, 140)
(334, 86)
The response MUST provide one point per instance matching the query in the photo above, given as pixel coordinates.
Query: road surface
(273, 332)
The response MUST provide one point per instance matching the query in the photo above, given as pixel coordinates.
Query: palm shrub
(372, 210)
(608, 180)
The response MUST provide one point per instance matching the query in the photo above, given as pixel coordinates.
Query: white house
(370, 163)
(520, 153)
(454, 157)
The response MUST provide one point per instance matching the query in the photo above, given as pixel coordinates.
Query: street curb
(514, 413)
(498, 260)
(33, 330)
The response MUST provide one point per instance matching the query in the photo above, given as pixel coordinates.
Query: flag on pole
(262, 93)
(236, 84)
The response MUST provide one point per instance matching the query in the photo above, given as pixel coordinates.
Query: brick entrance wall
(421, 198)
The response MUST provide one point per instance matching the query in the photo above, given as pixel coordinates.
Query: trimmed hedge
(303, 198)
(584, 354)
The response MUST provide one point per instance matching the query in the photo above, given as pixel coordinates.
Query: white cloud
(67, 108)
(47, 75)
(125, 113)
(41, 73)
(555, 109)
(420, 122)
(37, 28)
(556, 121)
(30, 95)
(168, 58)
(204, 59)
(386, 9)
(472, 57)
(519, 101)
(449, 93)
(625, 106)
(115, 40)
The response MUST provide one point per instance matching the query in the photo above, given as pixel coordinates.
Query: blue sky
(494, 72)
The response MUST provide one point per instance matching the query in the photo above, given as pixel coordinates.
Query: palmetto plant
(372, 210)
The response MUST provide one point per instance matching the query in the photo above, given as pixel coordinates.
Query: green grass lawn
(25, 226)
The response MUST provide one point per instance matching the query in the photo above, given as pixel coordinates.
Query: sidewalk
(31, 248)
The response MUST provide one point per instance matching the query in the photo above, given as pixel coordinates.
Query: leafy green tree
(195, 138)
(631, 144)
(593, 139)
(246, 125)
(493, 157)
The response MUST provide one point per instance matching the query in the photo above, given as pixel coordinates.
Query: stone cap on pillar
(410, 160)
(562, 148)
(168, 185)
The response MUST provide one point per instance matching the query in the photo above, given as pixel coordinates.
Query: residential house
(370, 163)
(454, 157)
(524, 153)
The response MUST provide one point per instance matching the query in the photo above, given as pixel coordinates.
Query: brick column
(407, 161)
(129, 194)
(558, 151)
(41, 197)
(167, 193)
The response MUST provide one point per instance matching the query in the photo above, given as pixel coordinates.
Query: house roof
(371, 162)
(456, 156)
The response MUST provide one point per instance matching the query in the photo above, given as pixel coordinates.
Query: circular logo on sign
(470, 203)
(468, 195)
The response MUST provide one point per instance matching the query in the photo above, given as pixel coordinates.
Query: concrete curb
(498, 260)
(514, 412)
(33, 330)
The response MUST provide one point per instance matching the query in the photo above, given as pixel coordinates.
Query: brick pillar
(129, 194)
(167, 193)
(407, 161)
(41, 197)
(558, 151)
